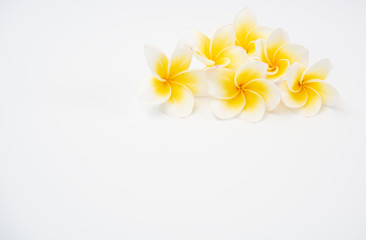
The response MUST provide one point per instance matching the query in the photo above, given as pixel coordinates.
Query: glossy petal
(222, 39)
(258, 32)
(294, 76)
(180, 103)
(154, 91)
(267, 90)
(181, 59)
(202, 43)
(250, 71)
(292, 99)
(312, 106)
(275, 41)
(236, 56)
(328, 93)
(244, 21)
(254, 107)
(221, 83)
(294, 53)
(228, 108)
(192, 79)
(319, 70)
(157, 62)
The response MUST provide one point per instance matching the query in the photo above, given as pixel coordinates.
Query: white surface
(81, 158)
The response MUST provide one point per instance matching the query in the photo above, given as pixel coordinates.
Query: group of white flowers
(243, 63)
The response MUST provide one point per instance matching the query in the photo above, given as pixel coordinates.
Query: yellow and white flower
(306, 90)
(247, 31)
(244, 93)
(279, 54)
(221, 50)
(172, 84)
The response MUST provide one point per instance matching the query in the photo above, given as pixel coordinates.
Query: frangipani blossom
(279, 54)
(247, 31)
(306, 90)
(244, 93)
(172, 84)
(221, 50)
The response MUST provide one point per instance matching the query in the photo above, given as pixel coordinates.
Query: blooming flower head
(279, 54)
(172, 84)
(247, 31)
(306, 90)
(221, 50)
(244, 93)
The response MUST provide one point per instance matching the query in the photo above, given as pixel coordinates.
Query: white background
(81, 158)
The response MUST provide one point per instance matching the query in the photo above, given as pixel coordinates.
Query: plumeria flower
(247, 31)
(279, 54)
(305, 90)
(221, 50)
(244, 93)
(172, 84)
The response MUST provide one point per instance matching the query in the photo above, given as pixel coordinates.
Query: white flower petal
(154, 91)
(204, 60)
(244, 21)
(157, 62)
(254, 107)
(319, 70)
(267, 90)
(328, 93)
(180, 103)
(221, 83)
(202, 43)
(192, 79)
(312, 106)
(293, 99)
(250, 71)
(222, 39)
(181, 59)
(294, 76)
(236, 56)
(294, 53)
(228, 108)
(275, 41)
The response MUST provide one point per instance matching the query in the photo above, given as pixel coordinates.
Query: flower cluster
(249, 69)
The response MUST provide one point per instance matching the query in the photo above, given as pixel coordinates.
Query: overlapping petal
(254, 108)
(157, 61)
(319, 70)
(294, 53)
(222, 39)
(278, 71)
(202, 43)
(235, 55)
(244, 21)
(203, 59)
(267, 90)
(155, 91)
(181, 59)
(313, 104)
(228, 108)
(250, 71)
(221, 83)
(328, 93)
(294, 76)
(258, 32)
(192, 79)
(277, 39)
(293, 99)
(180, 103)
(261, 51)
